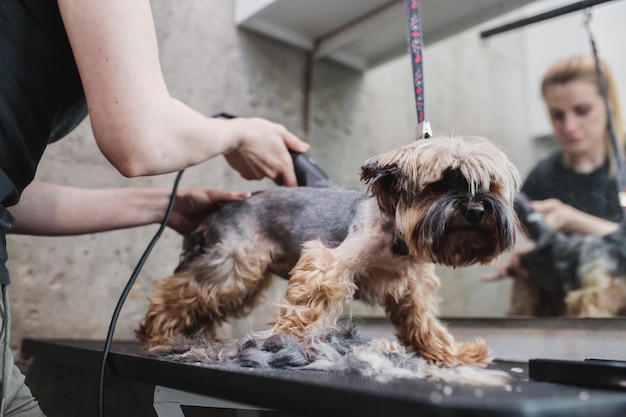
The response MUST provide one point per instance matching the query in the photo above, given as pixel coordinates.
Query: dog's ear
(382, 181)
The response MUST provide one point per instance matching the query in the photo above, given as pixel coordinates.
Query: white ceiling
(362, 33)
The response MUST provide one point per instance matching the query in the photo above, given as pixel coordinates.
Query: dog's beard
(457, 229)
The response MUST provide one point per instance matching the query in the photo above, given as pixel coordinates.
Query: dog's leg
(525, 297)
(593, 299)
(586, 303)
(607, 301)
(413, 313)
(319, 282)
(172, 313)
(197, 299)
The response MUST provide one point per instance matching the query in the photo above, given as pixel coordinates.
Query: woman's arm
(54, 210)
(141, 129)
(565, 218)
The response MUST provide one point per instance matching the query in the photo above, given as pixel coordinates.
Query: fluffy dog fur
(440, 200)
(571, 275)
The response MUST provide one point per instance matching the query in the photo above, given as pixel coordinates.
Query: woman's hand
(192, 204)
(263, 151)
(565, 218)
(513, 269)
(556, 214)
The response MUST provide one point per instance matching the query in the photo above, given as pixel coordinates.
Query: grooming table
(315, 393)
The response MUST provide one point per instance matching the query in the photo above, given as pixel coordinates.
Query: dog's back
(283, 217)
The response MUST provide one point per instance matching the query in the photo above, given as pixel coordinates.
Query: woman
(63, 60)
(575, 188)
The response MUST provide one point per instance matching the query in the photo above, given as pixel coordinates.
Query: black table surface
(316, 393)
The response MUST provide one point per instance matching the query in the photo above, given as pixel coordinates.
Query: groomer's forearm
(137, 125)
(53, 210)
(586, 224)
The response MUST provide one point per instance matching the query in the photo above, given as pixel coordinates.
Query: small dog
(571, 275)
(440, 200)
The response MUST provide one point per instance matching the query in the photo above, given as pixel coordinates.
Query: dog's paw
(474, 353)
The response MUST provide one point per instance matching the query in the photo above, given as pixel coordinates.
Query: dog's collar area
(427, 131)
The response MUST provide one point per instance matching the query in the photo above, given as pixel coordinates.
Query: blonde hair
(583, 67)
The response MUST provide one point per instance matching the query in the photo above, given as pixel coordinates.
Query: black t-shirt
(594, 193)
(41, 97)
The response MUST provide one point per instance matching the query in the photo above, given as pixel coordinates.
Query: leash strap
(416, 47)
(618, 153)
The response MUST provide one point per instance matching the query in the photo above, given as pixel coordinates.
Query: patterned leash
(416, 46)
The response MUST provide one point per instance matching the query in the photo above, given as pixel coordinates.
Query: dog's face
(451, 199)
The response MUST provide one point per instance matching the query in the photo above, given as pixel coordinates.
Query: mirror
(488, 88)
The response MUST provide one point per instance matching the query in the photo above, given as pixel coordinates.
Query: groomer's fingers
(513, 269)
(286, 176)
(192, 205)
(221, 196)
(193, 201)
(555, 213)
(295, 143)
(546, 206)
(494, 276)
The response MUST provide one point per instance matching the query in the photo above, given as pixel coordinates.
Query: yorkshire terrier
(570, 275)
(441, 200)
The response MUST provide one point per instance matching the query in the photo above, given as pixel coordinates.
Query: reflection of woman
(579, 175)
(575, 188)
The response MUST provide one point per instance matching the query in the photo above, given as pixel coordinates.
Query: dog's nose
(474, 213)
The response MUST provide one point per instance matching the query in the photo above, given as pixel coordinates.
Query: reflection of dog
(438, 200)
(583, 276)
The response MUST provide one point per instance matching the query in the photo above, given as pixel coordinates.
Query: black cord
(129, 285)
(133, 278)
